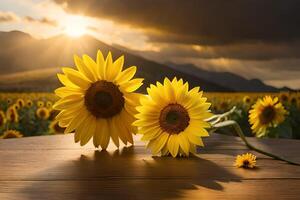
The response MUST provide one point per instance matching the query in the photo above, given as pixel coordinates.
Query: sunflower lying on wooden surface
(247, 160)
(11, 134)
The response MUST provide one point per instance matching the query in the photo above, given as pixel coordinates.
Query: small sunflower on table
(247, 160)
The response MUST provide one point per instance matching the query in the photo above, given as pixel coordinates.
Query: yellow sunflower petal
(101, 66)
(160, 143)
(173, 145)
(65, 81)
(90, 130)
(76, 78)
(184, 143)
(126, 75)
(85, 67)
(114, 131)
(116, 68)
(132, 85)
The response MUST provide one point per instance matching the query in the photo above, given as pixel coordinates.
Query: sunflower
(172, 118)
(40, 104)
(20, 102)
(55, 128)
(29, 103)
(16, 106)
(247, 100)
(49, 104)
(11, 134)
(284, 97)
(265, 113)
(42, 113)
(2, 119)
(247, 160)
(12, 114)
(98, 100)
(8, 101)
(294, 101)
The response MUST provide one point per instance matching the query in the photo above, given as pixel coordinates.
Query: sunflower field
(27, 114)
(31, 114)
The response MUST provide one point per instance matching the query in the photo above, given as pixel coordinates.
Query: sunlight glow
(75, 26)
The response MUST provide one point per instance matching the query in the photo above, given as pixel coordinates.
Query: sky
(252, 38)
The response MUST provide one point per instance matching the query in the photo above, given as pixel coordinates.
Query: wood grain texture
(53, 167)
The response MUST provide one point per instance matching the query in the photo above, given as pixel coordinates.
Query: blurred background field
(31, 114)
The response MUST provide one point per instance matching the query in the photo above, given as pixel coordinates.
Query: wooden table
(53, 167)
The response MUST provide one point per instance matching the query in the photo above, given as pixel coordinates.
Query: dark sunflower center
(284, 98)
(42, 113)
(12, 116)
(267, 115)
(174, 118)
(104, 99)
(294, 101)
(246, 163)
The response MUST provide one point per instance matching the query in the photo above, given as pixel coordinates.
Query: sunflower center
(267, 115)
(284, 98)
(246, 163)
(174, 118)
(104, 99)
(42, 113)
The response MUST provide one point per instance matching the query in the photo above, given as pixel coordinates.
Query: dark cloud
(255, 51)
(43, 20)
(202, 21)
(252, 38)
(8, 17)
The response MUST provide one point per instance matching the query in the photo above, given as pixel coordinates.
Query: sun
(75, 26)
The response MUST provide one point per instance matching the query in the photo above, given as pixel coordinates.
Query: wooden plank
(53, 167)
(151, 189)
(132, 162)
(215, 141)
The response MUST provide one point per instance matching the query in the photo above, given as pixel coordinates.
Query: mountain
(29, 64)
(226, 79)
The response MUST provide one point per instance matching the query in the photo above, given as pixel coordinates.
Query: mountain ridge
(226, 79)
(20, 54)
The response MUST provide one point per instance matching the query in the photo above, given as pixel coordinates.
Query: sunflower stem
(250, 146)
(218, 117)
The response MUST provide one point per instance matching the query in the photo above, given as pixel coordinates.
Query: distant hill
(226, 79)
(29, 64)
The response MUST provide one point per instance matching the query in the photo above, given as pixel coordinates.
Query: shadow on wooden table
(128, 174)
